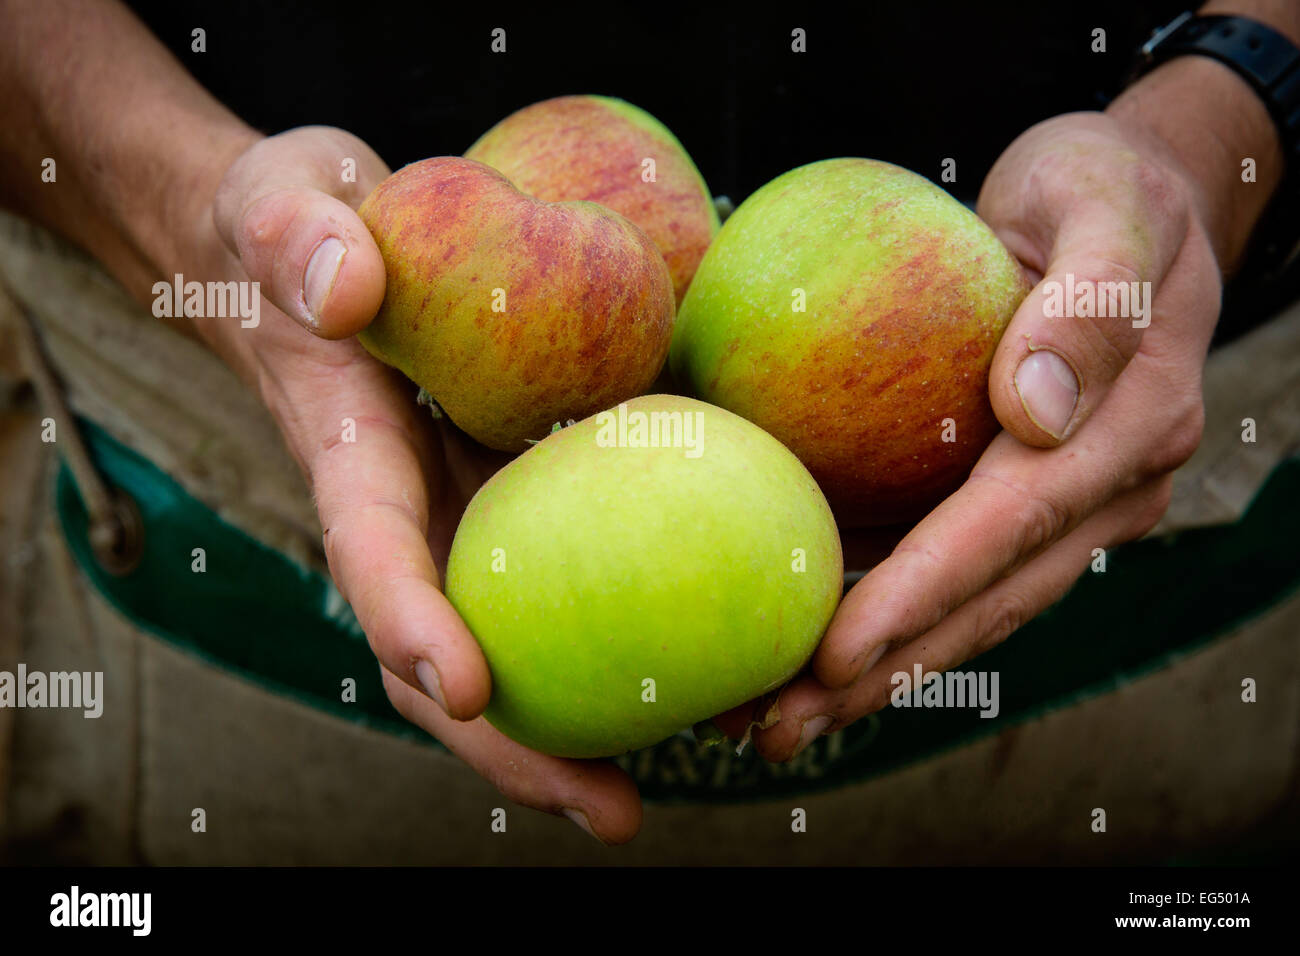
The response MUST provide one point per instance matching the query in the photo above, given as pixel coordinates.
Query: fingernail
(870, 661)
(873, 658)
(810, 730)
(580, 818)
(1048, 391)
(428, 678)
(322, 269)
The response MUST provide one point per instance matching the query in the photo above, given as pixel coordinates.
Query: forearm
(138, 145)
(1207, 120)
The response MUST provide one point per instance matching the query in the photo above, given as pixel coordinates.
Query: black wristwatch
(1270, 63)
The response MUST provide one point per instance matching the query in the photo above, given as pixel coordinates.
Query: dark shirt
(909, 82)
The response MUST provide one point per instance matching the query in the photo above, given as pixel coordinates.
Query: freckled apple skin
(588, 300)
(623, 564)
(592, 148)
(907, 295)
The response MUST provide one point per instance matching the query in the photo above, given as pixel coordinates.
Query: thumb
(1079, 327)
(286, 209)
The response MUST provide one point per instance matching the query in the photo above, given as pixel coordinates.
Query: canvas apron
(223, 701)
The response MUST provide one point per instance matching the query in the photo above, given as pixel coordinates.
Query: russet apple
(640, 571)
(852, 308)
(511, 312)
(608, 151)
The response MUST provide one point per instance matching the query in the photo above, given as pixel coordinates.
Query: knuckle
(513, 784)
(1039, 521)
(1180, 441)
(262, 228)
(270, 224)
(1108, 334)
(1044, 180)
(1189, 433)
(998, 619)
(1155, 188)
(913, 562)
(1107, 269)
(1164, 199)
(1152, 510)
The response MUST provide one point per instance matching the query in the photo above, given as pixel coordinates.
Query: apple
(640, 571)
(511, 312)
(606, 150)
(852, 308)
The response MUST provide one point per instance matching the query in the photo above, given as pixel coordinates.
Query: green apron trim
(253, 611)
(260, 615)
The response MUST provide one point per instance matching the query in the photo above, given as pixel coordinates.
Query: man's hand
(178, 184)
(388, 502)
(1097, 412)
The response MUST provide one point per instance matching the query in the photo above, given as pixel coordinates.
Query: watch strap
(1270, 63)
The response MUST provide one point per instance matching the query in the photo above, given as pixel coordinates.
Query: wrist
(1204, 122)
(179, 234)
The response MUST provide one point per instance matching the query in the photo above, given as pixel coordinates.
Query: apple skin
(628, 563)
(907, 295)
(592, 148)
(588, 300)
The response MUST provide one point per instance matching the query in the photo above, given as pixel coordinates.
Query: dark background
(909, 82)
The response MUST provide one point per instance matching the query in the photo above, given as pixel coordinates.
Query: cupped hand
(1097, 412)
(390, 495)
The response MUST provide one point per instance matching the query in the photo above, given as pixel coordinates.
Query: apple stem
(424, 398)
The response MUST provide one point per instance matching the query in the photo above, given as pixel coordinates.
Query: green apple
(606, 150)
(851, 308)
(640, 571)
(511, 312)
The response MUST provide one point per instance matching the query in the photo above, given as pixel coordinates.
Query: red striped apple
(608, 151)
(511, 312)
(852, 309)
